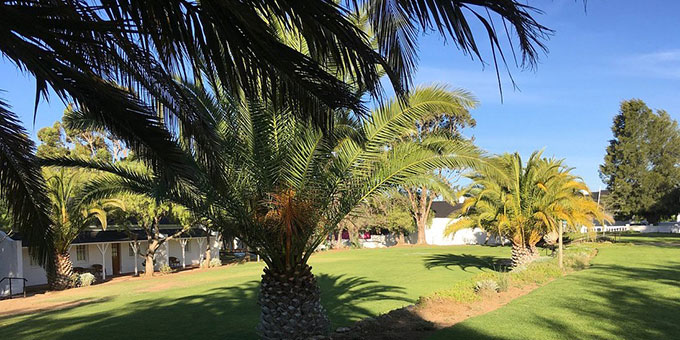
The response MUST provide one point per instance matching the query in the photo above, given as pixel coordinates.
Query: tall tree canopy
(117, 59)
(642, 164)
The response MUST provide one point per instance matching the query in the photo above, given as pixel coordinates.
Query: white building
(113, 250)
(443, 216)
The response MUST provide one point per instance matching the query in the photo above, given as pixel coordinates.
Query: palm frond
(22, 189)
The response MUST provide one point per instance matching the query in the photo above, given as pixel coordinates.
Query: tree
(147, 213)
(284, 185)
(640, 168)
(5, 223)
(389, 211)
(71, 214)
(61, 139)
(446, 113)
(524, 202)
(119, 46)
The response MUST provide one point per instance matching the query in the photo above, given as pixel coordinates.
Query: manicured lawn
(221, 303)
(632, 291)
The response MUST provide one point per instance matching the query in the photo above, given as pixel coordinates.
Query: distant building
(111, 251)
(444, 214)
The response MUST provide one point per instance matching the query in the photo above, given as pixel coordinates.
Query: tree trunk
(148, 263)
(63, 270)
(207, 249)
(521, 255)
(421, 231)
(291, 305)
(401, 239)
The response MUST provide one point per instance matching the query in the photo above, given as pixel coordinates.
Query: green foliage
(523, 202)
(536, 273)
(5, 220)
(69, 208)
(63, 139)
(485, 287)
(165, 269)
(389, 211)
(86, 279)
(640, 168)
(461, 291)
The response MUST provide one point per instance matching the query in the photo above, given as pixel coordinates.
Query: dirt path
(419, 322)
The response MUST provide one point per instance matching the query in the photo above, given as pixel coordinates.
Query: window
(187, 246)
(81, 253)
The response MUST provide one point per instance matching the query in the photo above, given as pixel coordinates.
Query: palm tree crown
(524, 202)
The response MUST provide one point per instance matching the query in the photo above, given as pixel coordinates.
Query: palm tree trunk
(521, 255)
(290, 304)
(63, 270)
(421, 231)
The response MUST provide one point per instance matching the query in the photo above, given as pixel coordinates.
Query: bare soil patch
(419, 322)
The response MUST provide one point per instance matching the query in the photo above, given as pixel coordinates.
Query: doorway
(115, 258)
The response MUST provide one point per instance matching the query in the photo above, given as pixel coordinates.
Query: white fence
(665, 227)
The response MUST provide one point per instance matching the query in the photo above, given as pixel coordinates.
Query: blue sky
(614, 50)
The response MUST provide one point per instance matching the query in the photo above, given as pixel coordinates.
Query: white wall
(34, 273)
(10, 264)
(127, 261)
(435, 234)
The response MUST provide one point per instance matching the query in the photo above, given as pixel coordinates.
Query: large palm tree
(284, 185)
(524, 202)
(71, 215)
(116, 59)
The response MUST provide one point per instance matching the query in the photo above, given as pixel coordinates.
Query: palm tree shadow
(465, 261)
(346, 297)
(223, 312)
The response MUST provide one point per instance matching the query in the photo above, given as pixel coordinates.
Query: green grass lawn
(221, 303)
(632, 291)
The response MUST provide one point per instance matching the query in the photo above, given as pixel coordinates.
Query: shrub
(212, 264)
(535, 273)
(74, 280)
(487, 287)
(503, 280)
(165, 269)
(86, 279)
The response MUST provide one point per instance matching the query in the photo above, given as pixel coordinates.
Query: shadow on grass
(465, 261)
(611, 302)
(219, 313)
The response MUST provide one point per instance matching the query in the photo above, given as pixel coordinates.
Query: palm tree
(117, 59)
(71, 215)
(284, 185)
(525, 202)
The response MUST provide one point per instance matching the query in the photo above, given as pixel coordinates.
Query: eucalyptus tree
(147, 214)
(447, 119)
(524, 202)
(117, 59)
(71, 214)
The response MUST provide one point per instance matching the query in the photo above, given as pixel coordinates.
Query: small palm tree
(71, 215)
(524, 202)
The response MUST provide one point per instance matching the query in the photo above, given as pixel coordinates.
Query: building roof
(107, 236)
(443, 209)
(595, 195)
